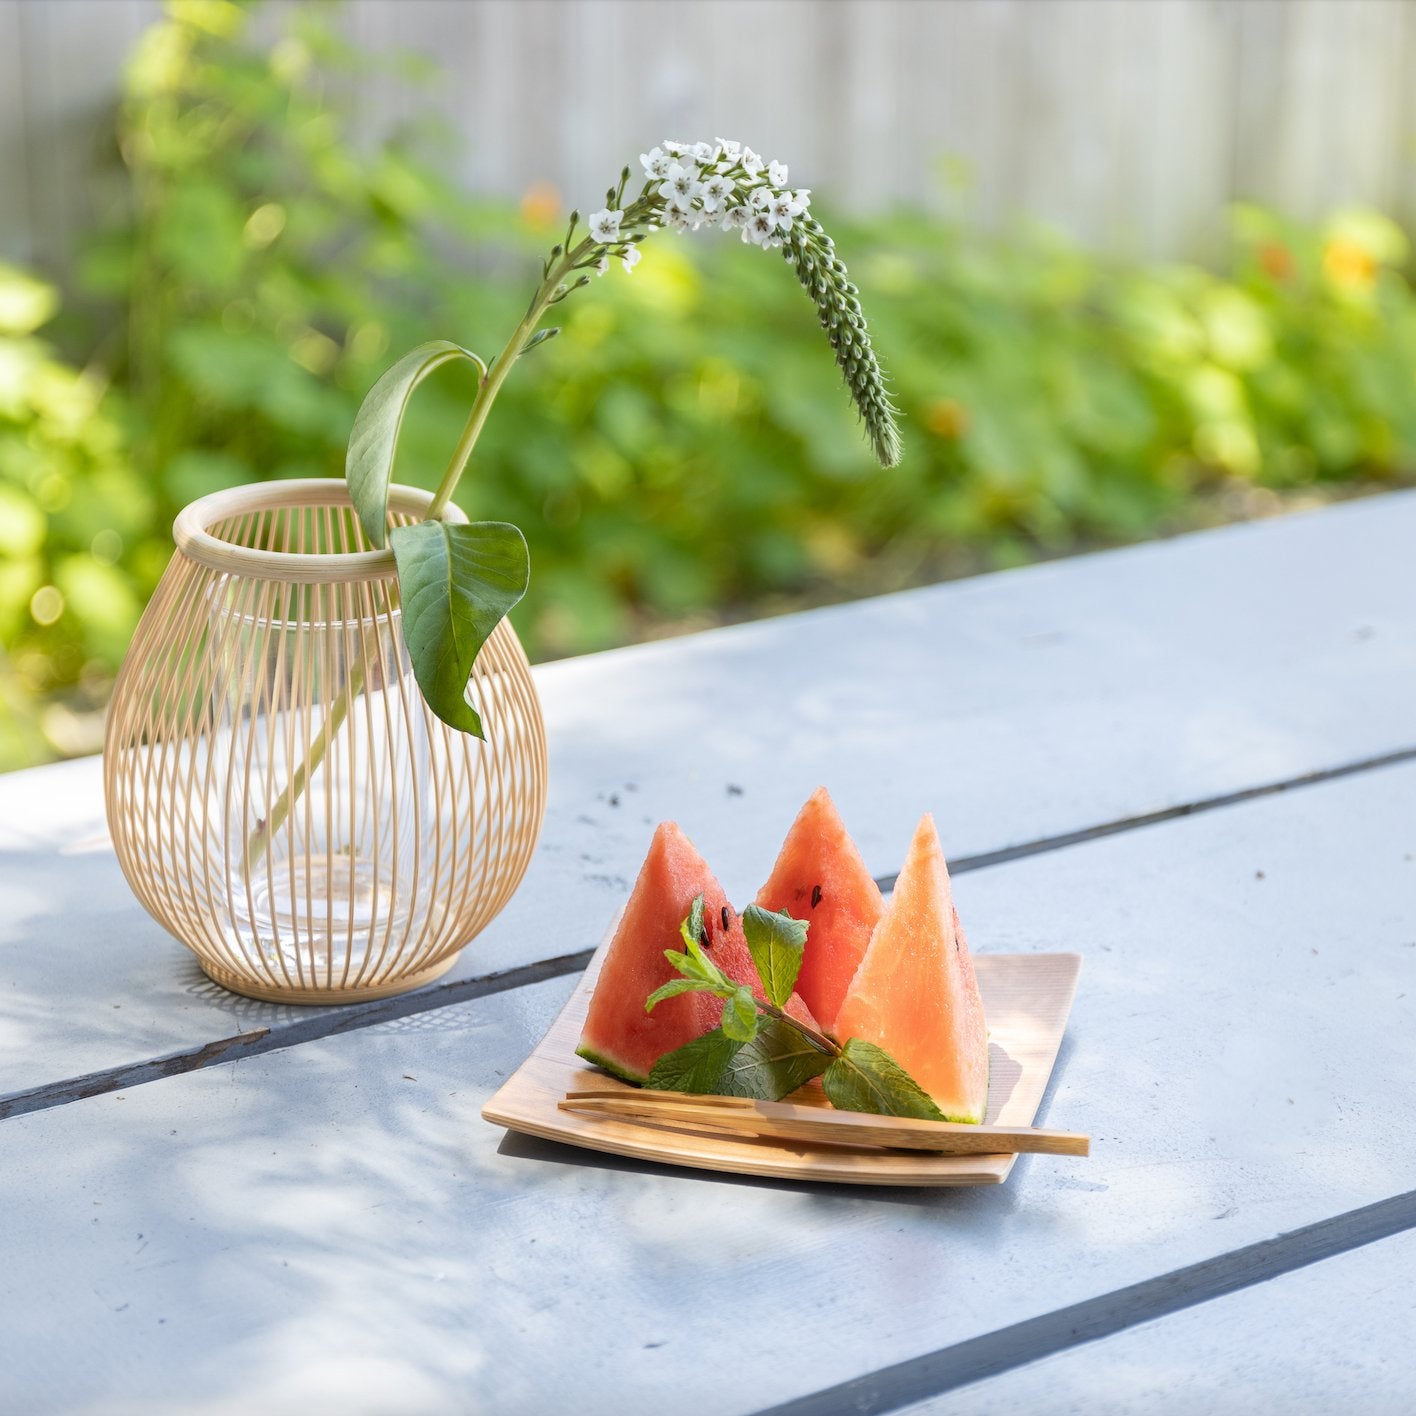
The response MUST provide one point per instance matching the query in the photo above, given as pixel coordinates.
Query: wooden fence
(1131, 123)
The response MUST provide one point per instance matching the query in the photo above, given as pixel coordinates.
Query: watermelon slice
(820, 877)
(915, 993)
(619, 1035)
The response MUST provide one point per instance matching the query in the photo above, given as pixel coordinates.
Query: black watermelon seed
(815, 896)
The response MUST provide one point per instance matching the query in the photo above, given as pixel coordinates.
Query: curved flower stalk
(457, 582)
(725, 185)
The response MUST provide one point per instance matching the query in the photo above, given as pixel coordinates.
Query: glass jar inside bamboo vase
(280, 796)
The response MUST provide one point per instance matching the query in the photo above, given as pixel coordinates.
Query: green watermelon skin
(820, 862)
(618, 1034)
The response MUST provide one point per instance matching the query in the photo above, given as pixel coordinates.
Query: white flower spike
(726, 184)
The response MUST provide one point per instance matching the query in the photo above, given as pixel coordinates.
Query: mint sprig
(760, 1051)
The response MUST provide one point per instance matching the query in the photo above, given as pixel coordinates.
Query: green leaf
(457, 584)
(774, 1064)
(697, 1066)
(692, 927)
(776, 942)
(740, 1015)
(866, 1078)
(674, 987)
(368, 465)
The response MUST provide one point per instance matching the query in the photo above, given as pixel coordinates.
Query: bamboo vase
(279, 795)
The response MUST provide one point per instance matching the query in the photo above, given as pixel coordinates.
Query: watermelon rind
(611, 1065)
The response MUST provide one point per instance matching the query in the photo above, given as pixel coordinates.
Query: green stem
(495, 376)
(258, 842)
(819, 1041)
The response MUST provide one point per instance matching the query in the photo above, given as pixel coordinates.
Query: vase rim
(195, 540)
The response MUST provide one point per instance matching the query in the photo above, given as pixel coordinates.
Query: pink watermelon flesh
(619, 1035)
(820, 877)
(915, 993)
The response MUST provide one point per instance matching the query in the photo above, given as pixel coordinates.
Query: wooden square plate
(1026, 999)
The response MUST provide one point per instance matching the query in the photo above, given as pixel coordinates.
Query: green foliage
(678, 454)
(74, 518)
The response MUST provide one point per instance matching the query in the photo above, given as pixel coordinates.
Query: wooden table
(1194, 762)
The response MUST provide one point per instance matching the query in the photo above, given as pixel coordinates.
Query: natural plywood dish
(1026, 997)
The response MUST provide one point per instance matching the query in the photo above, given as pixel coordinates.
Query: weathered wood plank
(1333, 1337)
(334, 1222)
(1015, 706)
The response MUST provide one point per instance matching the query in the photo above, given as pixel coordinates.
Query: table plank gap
(933, 1374)
(333, 1022)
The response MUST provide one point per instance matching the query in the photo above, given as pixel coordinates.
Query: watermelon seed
(815, 896)
(726, 925)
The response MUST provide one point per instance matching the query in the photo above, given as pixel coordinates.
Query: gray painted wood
(1014, 706)
(1333, 1337)
(333, 1226)
(1131, 125)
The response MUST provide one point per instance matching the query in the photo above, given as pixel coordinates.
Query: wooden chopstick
(788, 1121)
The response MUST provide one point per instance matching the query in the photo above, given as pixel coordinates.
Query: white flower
(717, 193)
(736, 218)
(680, 220)
(712, 217)
(777, 173)
(802, 197)
(605, 225)
(630, 259)
(751, 162)
(682, 186)
(705, 153)
(784, 209)
(761, 197)
(656, 163)
(731, 150)
(602, 265)
(760, 229)
(674, 149)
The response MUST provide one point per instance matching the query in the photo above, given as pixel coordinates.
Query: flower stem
(258, 842)
(495, 376)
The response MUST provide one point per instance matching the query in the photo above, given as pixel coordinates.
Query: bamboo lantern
(279, 795)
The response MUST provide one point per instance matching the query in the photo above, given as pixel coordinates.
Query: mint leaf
(692, 927)
(866, 1078)
(696, 963)
(774, 1064)
(697, 1066)
(740, 1015)
(457, 584)
(676, 986)
(776, 942)
(373, 443)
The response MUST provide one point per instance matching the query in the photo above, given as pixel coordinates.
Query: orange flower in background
(1276, 260)
(947, 418)
(1348, 264)
(541, 206)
